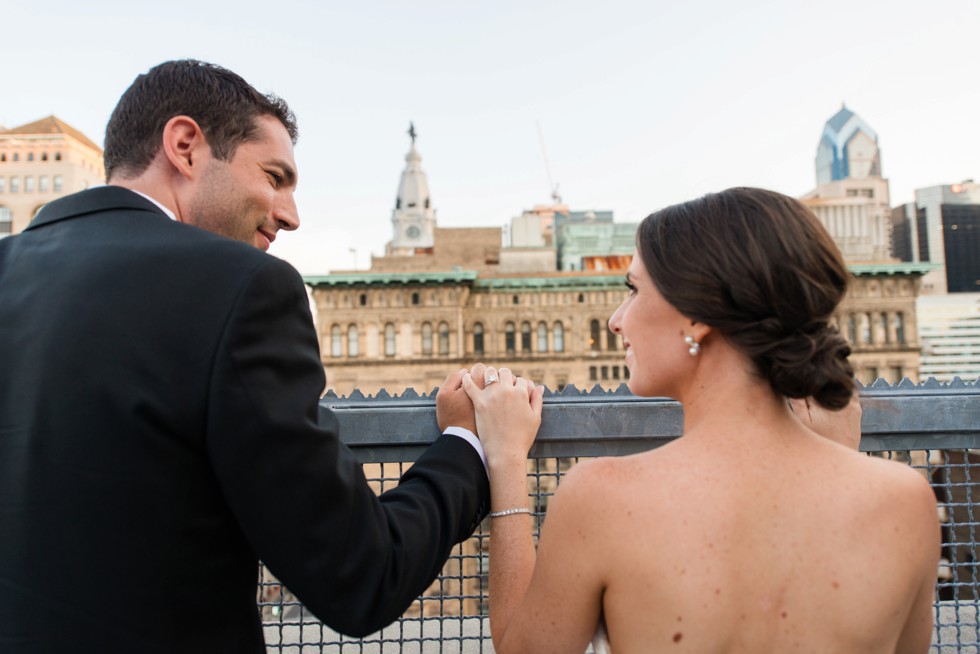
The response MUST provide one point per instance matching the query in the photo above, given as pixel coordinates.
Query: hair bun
(811, 362)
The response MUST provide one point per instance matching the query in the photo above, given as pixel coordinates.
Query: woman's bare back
(800, 546)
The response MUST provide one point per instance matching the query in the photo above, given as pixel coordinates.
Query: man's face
(249, 198)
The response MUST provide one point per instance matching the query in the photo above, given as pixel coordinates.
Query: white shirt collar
(162, 208)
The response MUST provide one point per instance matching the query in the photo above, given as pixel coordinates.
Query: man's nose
(285, 213)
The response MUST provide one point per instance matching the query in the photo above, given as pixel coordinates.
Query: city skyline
(637, 106)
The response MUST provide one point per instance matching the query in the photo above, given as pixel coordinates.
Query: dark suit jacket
(159, 392)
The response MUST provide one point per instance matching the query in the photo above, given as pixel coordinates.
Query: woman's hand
(508, 414)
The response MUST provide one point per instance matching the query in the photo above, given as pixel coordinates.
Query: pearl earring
(694, 347)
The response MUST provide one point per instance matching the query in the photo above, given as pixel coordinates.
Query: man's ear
(184, 145)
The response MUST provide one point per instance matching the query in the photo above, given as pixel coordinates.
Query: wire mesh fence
(934, 428)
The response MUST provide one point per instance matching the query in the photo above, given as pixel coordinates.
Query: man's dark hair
(223, 104)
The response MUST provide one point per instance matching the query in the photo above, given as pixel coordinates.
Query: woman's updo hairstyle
(760, 268)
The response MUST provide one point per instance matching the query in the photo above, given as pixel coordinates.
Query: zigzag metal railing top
(906, 416)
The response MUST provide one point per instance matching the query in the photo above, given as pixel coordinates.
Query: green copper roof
(899, 268)
(551, 282)
(372, 279)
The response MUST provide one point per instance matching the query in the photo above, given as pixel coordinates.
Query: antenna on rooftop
(552, 187)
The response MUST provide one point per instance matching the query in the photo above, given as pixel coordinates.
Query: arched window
(415, 298)
(900, 327)
(336, 342)
(867, 332)
(389, 340)
(30, 156)
(57, 156)
(352, 344)
(594, 335)
(16, 156)
(525, 337)
(581, 298)
(363, 299)
(3, 156)
(509, 339)
(559, 337)
(852, 330)
(427, 338)
(542, 337)
(443, 339)
(478, 339)
(516, 300)
(612, 339)
(884, 327)
(44, 156)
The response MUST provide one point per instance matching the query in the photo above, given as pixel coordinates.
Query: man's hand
(842, 426)
(453, 405)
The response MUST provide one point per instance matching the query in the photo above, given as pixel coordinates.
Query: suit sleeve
(354, 559)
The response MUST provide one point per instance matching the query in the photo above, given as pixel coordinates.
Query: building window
(3, 184)
(615, 372)
(427, 339)
(415, 299)
(594, 335)
(352, 344)
(44, 156)
(852, 330)
(30, 156)
(542, 337)
(16, 156)
(884, 327)
(3, 156)
(626, 373)
(478, 339)
(872, 374)
(57, 183)
(363, 299)
(867, 333)
(336, 342)
(389, 340)
(6, 221)
(57, 156)
(559, 336)
(581, 298)
(15, 184)
(593, 373)
(509, 336)
(605, 373)
(900, 327)
(525, 337)
(43, 183)
(612, 340)
(29, 184)
(516, 300)
(443, 339)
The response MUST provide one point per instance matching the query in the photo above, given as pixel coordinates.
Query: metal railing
(933, 427)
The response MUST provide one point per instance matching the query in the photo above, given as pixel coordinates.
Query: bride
(750, 533)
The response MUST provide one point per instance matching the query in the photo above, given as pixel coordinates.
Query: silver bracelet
(501, 514)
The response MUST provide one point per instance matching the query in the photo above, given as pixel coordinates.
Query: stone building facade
(40, 162)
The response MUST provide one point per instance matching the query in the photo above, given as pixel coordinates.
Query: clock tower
(413, 220)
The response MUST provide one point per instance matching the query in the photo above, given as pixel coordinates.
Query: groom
(159, 392)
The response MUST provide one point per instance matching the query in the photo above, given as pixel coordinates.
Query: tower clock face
(412, 232)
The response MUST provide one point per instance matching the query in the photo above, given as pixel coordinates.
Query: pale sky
(640, 103)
